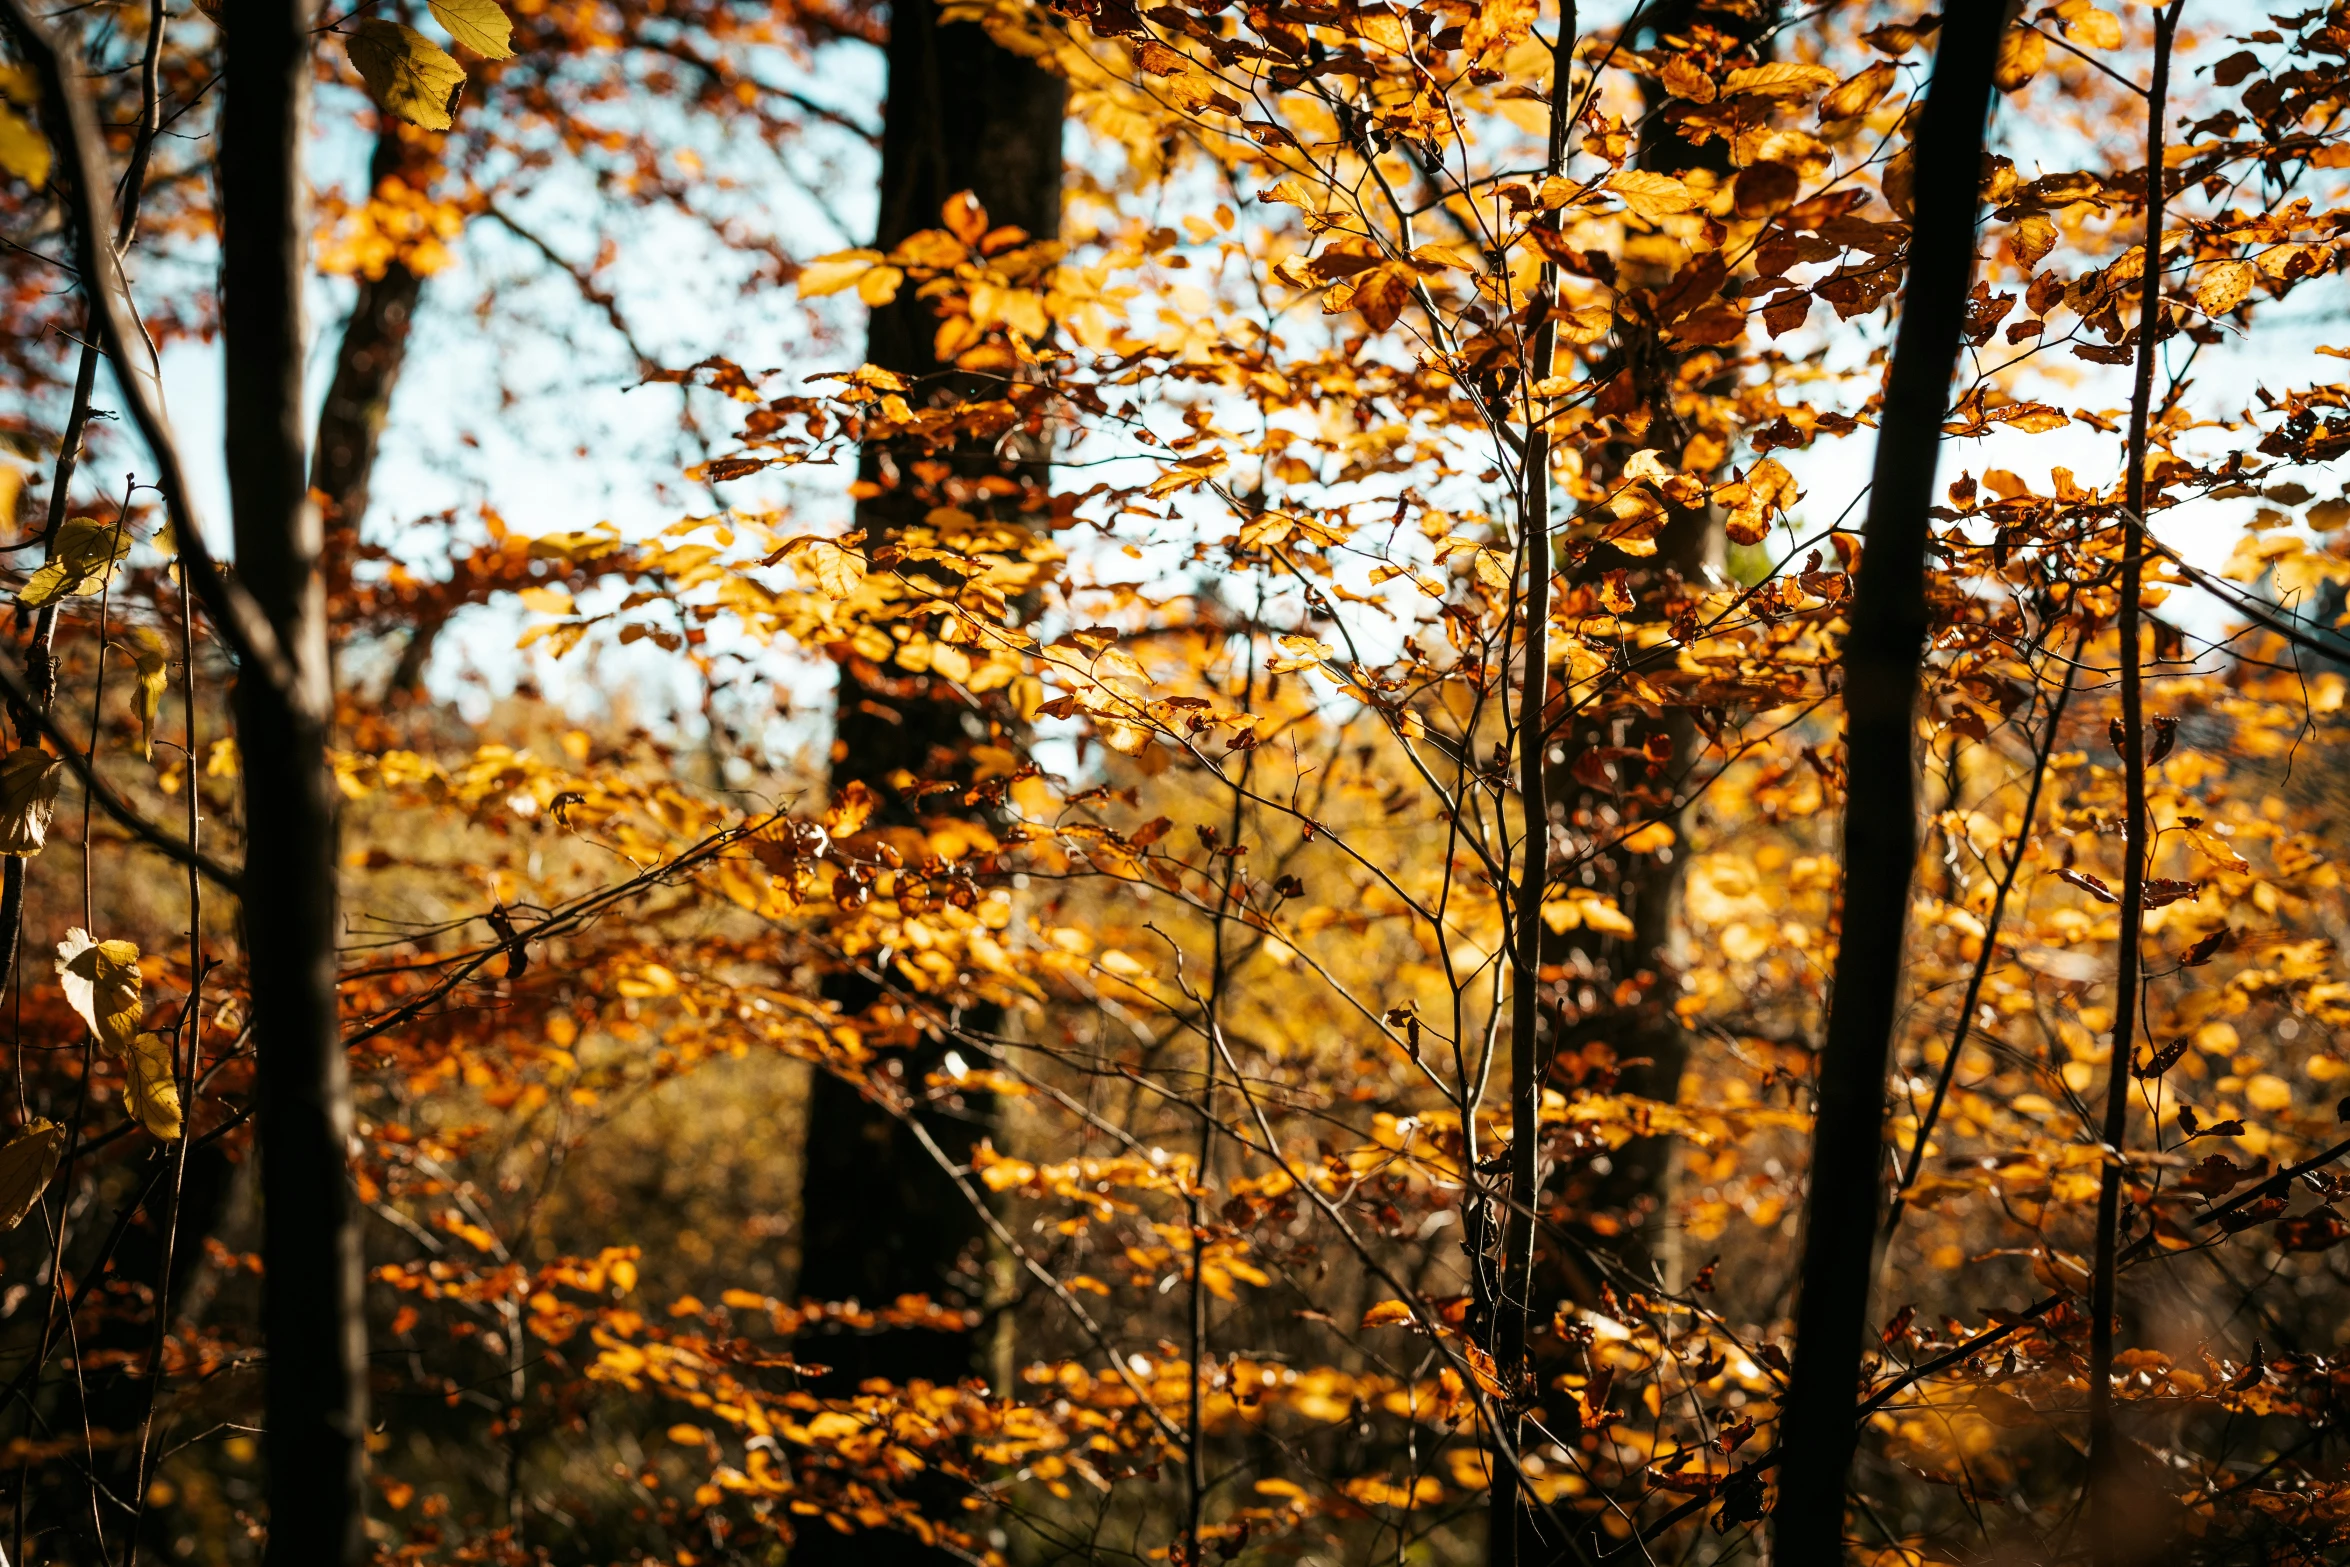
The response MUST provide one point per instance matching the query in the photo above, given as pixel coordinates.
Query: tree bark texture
(310, 1315)
(879, 1218)
(1882, 652)
(1622, 993)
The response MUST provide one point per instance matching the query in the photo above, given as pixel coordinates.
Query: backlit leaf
(2021, 54)
(154, 673)
(24, 151)
(830, 274)
(154, 1098)
(409, 74)
(1857, 95)
(2088, 26)
(1652, 196)
(477, 24)
(1780, 79)
(2224, 287)
(81, 558)
(101, 980)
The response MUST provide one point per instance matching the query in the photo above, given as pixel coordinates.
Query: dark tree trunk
(368, 360)
(879, 1219)
(310, 1315)
(1881, 659)
(1623, 995)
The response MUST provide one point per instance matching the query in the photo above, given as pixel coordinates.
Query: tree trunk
(879, 1219)
(310, 1315)
(1624, 995)
(368, 360)
(1881, 660)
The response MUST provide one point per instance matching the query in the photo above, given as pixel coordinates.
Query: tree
(1881, 655)
(972, 129)
(1286, 530)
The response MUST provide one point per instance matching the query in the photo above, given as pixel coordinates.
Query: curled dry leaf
(29, 780)
(2032, 239)
(1750, 503)
(27, 1161)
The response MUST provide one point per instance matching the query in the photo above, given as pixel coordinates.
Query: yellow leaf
(574, 547)
(2021, 54)
(81, 558)
(688, 1436)
(29, 780)
(850, 811)
(221, 759)
(477, 24)
(1191, 94)
(547, 600)
(27, 1161)
(2088, 26)
(1387, 1314)
(1602, 915)
(154, 1094)
(24, 151)
(409, 74)
(835, 572)
(1652, 196)
(1495, 25)
(880, 285)
(1647, 839)
(101, 981)
(2224, 287)
(1857, 95)
(1779, 79)
(1683, 78)
(2268, 1092)
(830, 274)
(154, 669)
(2032, 238)
(1751, 501)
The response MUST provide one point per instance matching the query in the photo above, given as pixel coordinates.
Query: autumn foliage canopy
(1228, 797)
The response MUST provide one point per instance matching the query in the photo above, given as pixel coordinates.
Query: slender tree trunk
(2123, 1529)
(310, 1315)
(879, 1219)
(1881, 659)
(1505, 1521)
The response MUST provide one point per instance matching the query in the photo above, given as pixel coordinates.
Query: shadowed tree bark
(310, 1315)
(880, 1220)
(368, 360)
(1881, 658)
(1623, 989)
